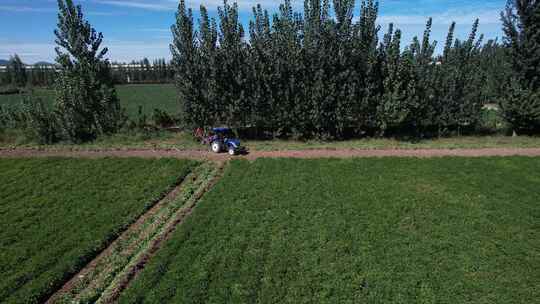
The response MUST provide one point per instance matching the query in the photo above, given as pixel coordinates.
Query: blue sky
(135, 29)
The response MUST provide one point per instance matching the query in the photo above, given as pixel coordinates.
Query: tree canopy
(521, 103)
(86, 101)
(324, 73)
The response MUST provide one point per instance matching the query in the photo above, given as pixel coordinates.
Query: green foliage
(143, 72)
(86, 111)
(33, 117)
(38, 121)
(521, 107)
(58, 214)
(162, 119)
(322, 74)
(87, 105)
(233, 102)
(5, 117)
(184, 61)
(356, 231)
(459, 76)
(42, 75)
(9, 90)
(493, 62)
(521, 25)
(16, 72)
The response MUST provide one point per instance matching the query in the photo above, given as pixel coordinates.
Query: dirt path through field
(102, 280)
(324, 153)
(125, 278)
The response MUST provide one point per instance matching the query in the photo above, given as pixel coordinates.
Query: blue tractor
(223, 139)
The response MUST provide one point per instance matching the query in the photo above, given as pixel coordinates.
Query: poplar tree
(494, 64)
(422, 93)
(392, 109)
(344, 74)
(17, 72)
(86, 101)
(459, 81)
(208, 65)
(318, 88)
(232, 70)
(370, 64)
(288, 75)
(184, 53)
(261, 69)
(521, 25)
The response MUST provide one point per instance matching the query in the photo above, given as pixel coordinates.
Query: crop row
(450, 230)
(58, 214)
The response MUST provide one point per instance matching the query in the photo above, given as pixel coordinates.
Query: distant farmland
(149, 96)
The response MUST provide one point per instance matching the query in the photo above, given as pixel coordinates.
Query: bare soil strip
(144, 236)
(323, 153)
(122, 281)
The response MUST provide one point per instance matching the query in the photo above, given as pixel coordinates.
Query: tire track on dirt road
(322, 153)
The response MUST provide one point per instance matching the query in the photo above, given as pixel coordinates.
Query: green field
(150, 97)
(451, 230)
(57, 214)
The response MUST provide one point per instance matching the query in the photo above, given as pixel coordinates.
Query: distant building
(3, 68)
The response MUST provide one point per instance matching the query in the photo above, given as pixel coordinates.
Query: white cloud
(124, 51)
(160, 30)
(25, 9)
(486, 17)
(172, 5)
(29, 52)
(96, 13)
(133, 50)
(155, 6)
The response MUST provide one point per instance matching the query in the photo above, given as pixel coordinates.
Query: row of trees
(14, 74)
(18, 75)
(321, 74)
(159, 71)
(313, 74)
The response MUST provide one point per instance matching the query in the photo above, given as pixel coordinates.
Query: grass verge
(451, 230)
(463, 142)
(57, 214)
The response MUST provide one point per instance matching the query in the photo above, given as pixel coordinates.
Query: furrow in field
(103, 272)
(122, 281)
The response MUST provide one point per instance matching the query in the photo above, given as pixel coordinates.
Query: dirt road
(327, 153)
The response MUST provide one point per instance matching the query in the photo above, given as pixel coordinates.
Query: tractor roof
(221, 130)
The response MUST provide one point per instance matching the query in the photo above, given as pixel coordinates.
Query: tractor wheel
(216, 147)
(232, 152)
